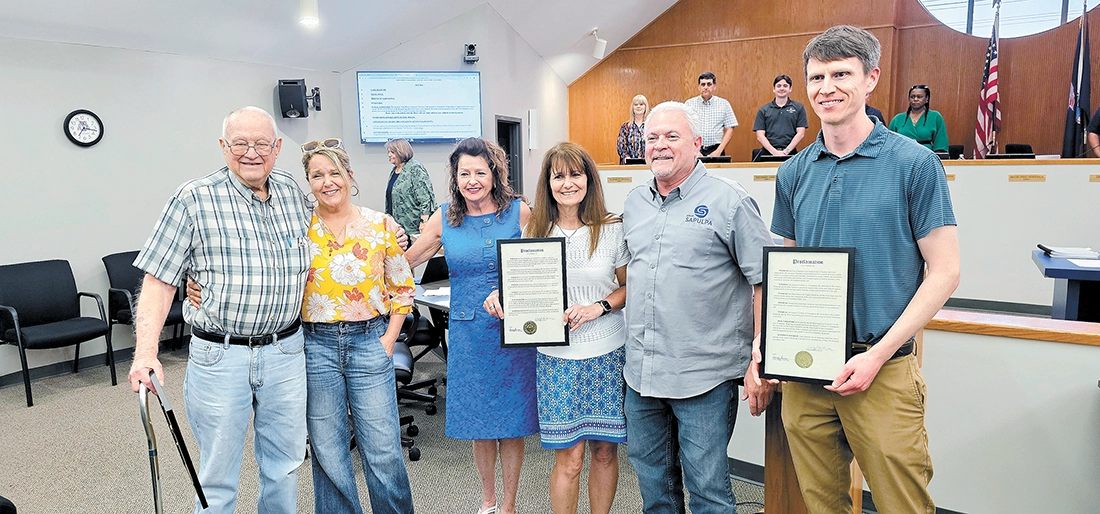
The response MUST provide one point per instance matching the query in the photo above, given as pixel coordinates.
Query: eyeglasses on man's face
(240, 148)
(332, 142)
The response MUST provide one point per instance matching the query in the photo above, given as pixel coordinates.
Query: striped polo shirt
(249, 256)
(881, 199)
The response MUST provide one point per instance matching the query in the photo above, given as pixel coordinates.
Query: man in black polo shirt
(781, 123)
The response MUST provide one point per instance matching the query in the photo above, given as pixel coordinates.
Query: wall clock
(83, 127)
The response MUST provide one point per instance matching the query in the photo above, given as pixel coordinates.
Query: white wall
(162, 115)
(162, 118)
(513, 79)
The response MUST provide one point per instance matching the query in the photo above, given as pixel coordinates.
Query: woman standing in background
(631, 142)
(409, 196)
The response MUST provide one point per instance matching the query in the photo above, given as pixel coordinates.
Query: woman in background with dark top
(920, 123)
(631, 142)
(409, 196)
(581, 386)
(490, 390)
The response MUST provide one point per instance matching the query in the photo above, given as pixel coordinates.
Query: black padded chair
(40, 309)
(1017, 148)
(125, 280)
(403, 365)
(954, 151)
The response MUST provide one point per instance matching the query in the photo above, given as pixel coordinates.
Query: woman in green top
(920, 123)
(409, 196)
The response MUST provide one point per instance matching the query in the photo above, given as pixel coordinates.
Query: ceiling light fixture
(601, 45)
(307, 12)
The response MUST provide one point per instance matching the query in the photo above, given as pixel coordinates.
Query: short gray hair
(689, 113)
(841, 42)
(250, 108)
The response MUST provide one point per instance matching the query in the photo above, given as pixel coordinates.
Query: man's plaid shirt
(249, 256)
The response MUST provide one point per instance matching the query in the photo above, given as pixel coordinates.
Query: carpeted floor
(82, 449)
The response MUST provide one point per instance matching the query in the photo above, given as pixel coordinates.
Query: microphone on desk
(1086, 152)
(1085, 121)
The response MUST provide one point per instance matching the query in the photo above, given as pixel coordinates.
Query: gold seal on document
(803, 359)
(530, 328)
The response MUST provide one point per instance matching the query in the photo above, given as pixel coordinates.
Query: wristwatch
(606, 306)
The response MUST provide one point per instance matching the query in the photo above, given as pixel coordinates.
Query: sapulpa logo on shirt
(700, 216)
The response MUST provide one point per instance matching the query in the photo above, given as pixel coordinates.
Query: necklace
(334, 242)
(569, 232)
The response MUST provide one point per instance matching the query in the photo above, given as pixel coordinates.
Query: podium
(1076, 289)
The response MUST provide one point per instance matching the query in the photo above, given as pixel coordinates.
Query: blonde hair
(645, 101)
(338, 157)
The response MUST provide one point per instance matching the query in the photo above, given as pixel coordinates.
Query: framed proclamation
(806, 313)
(532, 292)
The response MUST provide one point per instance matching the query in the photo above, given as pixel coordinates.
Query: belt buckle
(258, 341)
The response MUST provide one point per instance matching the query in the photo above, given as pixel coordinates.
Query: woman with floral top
(359, 275)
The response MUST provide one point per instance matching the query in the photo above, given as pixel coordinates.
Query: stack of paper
(1069, 252)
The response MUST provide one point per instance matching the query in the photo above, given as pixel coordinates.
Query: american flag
(989, 113)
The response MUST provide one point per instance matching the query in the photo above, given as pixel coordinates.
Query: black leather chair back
(41, 292)
(435, 270)
(1018, 148)
(121, 271)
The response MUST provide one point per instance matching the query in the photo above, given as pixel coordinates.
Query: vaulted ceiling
(350, 31)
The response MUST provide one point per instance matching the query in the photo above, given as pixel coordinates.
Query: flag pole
(997, 31)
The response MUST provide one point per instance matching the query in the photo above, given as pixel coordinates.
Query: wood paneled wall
(746, 43)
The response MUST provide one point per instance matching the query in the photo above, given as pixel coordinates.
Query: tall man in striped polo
(861, 185)
(240, 233)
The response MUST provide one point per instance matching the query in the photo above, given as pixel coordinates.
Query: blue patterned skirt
(581, 399)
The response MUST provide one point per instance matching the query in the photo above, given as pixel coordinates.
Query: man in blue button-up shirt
(692, 283)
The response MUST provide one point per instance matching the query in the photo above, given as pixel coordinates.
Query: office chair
(430, 334)
(403, 365)
(1018, 148)
(125, 280)
(955, 151)
(40, 309)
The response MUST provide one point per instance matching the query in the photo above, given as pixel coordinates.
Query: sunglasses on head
(332, 142)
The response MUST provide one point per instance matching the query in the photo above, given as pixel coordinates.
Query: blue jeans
(225, 386)
(346, 364)
(667, 436)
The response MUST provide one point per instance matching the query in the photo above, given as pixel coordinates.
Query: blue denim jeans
(225, 386)
(347, 365)
(689, 435)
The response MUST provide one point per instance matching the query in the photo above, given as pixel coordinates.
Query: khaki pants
(882, 426)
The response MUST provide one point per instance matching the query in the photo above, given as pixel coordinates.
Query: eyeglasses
(240, 148)
(332, 142)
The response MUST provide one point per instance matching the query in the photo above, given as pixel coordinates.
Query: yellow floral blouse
(363, 278)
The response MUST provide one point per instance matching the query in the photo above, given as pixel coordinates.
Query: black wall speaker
(292, 98)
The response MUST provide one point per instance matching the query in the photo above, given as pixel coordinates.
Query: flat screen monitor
(714, 159)
(633, 160)
(772, 158)
(1010, 156)
(420, 106)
